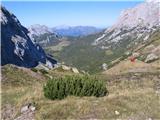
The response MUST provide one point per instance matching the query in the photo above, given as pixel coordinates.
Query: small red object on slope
(132, 59)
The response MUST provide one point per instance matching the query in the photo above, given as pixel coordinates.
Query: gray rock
(104, 66)
(32, 108)
(64, 67)
(28, 107)
(27, 112)
(151, 57)
(24, 109)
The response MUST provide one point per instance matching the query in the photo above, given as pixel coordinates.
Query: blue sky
(99, 14)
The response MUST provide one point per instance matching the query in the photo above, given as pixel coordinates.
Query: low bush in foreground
(59, 88)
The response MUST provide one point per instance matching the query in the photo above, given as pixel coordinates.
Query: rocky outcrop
(151, 57)
(144, 14)
(16, 46)
(68, 68)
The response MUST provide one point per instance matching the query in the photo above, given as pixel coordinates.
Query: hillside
(131, 96)
(147, 59)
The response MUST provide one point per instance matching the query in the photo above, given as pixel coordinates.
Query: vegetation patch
(59, 88)
(43, 71)
(34, 69)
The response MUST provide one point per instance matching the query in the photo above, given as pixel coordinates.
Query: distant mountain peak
(134, 24)
(43, 35)
(38, 29)
(144, 14)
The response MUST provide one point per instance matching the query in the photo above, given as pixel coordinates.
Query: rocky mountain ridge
(17, 47)
(74, 31)
(38, 29)
(43, 35)
(134, 26)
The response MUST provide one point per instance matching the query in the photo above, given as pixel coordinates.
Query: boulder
(135, 54)
(75, 70)
(64, 67)
(32, 108)
(104, 66)
(28, 107)
(24, 109)
(151, 57)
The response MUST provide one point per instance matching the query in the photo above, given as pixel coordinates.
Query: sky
(71, 13)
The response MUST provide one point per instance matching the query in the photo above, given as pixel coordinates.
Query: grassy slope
(134, 98)
(126, 66)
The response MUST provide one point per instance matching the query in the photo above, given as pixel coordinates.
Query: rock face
(38, 29)
(16, 46)
(145, 14)
(43, 35)
(134, 26)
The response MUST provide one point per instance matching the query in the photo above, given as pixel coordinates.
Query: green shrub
(59, 88)
(141, 58)
(43, 71)
(34, 69)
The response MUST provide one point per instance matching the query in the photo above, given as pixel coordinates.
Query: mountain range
(76, 31)
(47, 37)
(135, 29)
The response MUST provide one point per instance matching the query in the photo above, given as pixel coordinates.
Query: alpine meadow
(80, 60)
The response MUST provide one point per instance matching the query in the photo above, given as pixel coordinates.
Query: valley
(82, 72)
